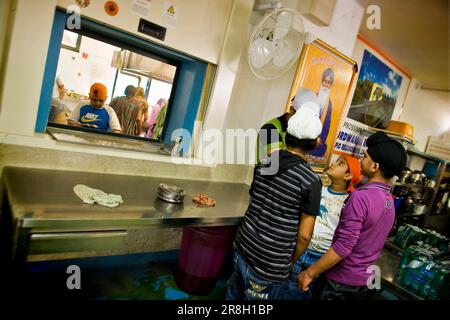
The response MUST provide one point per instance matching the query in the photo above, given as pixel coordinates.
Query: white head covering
(305, 97)
(305, 123)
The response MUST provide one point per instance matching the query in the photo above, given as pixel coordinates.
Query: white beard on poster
(323, 95)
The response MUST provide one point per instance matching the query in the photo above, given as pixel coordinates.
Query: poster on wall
(330, 75)
(380, 90)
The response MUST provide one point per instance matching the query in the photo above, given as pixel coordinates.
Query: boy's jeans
(244, 284)
(293, 292)
(327, 289)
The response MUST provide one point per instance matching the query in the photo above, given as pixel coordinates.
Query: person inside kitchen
(365, 223)
(58, 109)
(140, 96)
(271, 136)
(94, 113)
(282, 209)
(128, 111)
(344, 174)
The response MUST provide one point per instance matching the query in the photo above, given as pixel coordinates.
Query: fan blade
(261, 52)
(284, 54)
(284, 23)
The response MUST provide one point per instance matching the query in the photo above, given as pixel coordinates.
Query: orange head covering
(98, 91)
(355, 169)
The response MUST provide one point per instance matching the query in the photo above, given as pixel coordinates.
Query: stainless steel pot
(170, 193)
(406, 174)
(409, 200)
(419, 208)
(416, 177)
(430, 182)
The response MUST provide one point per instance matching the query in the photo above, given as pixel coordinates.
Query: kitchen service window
(138, 88)
(146, 91)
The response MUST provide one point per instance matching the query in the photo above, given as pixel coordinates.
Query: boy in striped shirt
(283, 207)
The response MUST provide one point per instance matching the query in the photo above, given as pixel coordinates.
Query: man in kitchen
(95, 113)
(271, 136)
(365, 223)
(129, 112)
(283, 208)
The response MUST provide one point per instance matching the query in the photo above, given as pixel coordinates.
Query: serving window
(150, 90)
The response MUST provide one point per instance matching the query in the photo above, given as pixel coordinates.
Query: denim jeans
(328, 289)
(293, 292)
(244, 284)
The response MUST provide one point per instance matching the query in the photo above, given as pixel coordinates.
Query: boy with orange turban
(95, 114)
(344, 174)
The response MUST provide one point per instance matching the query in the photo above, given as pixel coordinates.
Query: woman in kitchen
(140, 96)
(152, 119)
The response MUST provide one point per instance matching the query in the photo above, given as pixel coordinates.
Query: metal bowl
(170, 189)
(167, 207)
(170, 198)
(170, 193)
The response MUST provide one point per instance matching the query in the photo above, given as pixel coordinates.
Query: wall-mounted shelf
(441, 164)
(412, 185)
(408, 215)
(413, 151)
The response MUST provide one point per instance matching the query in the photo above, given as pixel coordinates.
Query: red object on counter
(202, 253)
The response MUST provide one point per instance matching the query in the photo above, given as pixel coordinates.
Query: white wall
(25, 66)
(428, 111)
(5, 9)
(78, 73)
(199, 30)
(344, 26)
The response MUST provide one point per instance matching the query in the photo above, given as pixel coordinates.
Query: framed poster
(330, 75)
(381, 87)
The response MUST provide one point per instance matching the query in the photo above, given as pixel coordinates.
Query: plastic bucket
(202, 253)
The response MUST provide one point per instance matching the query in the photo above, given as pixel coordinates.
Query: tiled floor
(148, 277)
(151, 281)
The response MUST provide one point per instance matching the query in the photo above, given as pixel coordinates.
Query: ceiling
(415, 34)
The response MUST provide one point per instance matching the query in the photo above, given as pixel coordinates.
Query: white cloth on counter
(90, 196)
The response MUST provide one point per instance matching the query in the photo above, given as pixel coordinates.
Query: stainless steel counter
(45, 198)
(388, 262)
(50, 218)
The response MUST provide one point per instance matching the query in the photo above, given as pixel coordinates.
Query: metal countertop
(45, 198)
(388, 262)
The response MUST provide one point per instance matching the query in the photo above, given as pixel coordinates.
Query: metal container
(419, 208)
(430, 182)
(170, 193)
(406, 174)
(416, 177)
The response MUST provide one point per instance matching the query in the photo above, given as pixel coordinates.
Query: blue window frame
(187, 87)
